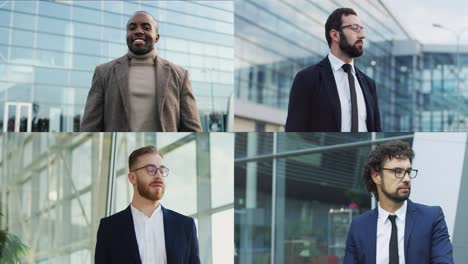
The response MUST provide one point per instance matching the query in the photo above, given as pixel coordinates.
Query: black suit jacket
(314, 104)
(116, 239)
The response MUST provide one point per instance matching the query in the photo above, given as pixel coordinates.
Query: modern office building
(296, 193)
(420, 87)
(55, 187)
(49, 50)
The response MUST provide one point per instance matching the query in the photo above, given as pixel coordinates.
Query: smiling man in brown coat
(141, 91)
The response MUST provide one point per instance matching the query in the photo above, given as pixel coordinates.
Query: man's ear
(376, 177)
(132, 178)
(334, 35)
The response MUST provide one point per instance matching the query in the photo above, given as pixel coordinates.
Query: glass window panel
(182, 179)
(26, 6)
(82, 172)
(53, 25)
(112, 20)
(23, 56)
(52, 59)
(222, 170)
(86, 46)
(22, 38)
(81, 79)
(24, 21)
(88, 31)
(223, 236)
(5, 33)
(51, 42)
(86, 15)
(114, 6)
(85, 62)
(54, 9)
(51, 76)
(19, 92)
(5, 18)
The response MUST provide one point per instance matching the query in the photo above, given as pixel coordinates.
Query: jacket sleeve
(297, 120)
(441, 251)
(194, 257)
(93, 117)
(189, 116)
(351, 252)
(101, 252)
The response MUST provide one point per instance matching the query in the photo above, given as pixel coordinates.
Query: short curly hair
(389, 150)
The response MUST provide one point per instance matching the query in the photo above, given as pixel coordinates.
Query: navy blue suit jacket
(314, 104)
(116, 239)
(426, 237)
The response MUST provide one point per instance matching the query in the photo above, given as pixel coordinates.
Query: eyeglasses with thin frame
(152, 170)
(356, 28)
(400, 173)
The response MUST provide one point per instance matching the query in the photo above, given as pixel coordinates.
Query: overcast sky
(419, 15)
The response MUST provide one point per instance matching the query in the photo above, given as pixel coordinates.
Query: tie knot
(392, 218)
(346, 67)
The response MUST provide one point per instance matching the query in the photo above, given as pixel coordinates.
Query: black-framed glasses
(152, 170)
(400, 173)
(356, 28)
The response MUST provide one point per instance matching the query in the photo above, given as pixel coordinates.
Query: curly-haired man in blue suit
(398, 231)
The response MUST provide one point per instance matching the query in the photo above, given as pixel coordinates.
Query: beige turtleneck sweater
(142, 91)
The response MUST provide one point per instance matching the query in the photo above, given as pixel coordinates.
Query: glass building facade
(49, 50)
(289, 36)
(55, 187)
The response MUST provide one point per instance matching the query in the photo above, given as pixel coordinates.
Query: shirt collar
(139, 213)
(336, 63)
(400, 213)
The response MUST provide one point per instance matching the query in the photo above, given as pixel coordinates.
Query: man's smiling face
(142, 33)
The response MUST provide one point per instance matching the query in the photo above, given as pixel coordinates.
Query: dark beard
(141, 50)
(395, 196)
(350, 50)
(145, 192)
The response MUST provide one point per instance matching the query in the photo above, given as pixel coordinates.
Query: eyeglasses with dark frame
(400, 173)
(152, 170)
(356, 28)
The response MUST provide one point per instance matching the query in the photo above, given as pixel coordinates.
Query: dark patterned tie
(352, 90)
(393, 256)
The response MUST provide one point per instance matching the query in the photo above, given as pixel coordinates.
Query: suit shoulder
(117, 217)
(179, 216)
(428, 209)
(107, 65)
(362, 217)
(309, 71)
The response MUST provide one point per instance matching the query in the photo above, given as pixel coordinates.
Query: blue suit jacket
(314, 104)
(116, 239)
(426, 237)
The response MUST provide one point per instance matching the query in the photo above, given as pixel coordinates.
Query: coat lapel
(409, 224)
(131, 236)
(162, 79)
(122, 70)
(372, 235)
(331, 89)
(169, 236)
(367, 94)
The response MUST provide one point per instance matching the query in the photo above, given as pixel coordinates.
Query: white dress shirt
(384, 231)
(150, 236)
(342, 84)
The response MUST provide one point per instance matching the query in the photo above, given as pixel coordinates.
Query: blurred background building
(296, 193)
(420, 87)
(49, 50)
(55, 187)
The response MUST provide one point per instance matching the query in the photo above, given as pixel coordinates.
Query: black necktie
(352, 90)
(393, 256)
